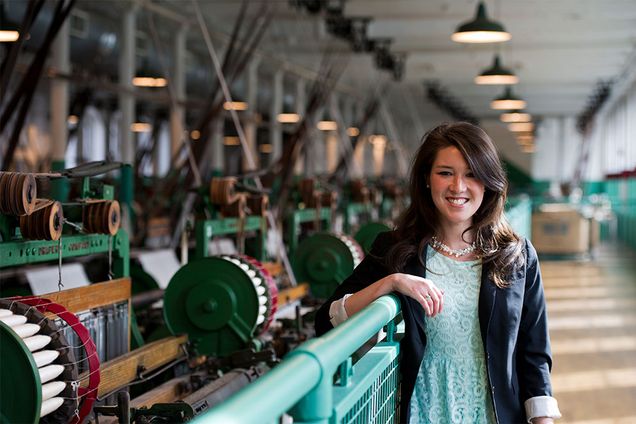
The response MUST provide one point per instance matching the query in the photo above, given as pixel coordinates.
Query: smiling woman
(476, 346)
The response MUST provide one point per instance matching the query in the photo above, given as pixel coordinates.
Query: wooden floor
(592, 317)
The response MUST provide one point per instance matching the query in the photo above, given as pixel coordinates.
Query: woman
(476, 348)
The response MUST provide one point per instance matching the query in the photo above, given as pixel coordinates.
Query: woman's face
(456, 192)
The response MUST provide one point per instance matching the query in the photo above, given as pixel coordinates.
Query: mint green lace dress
(452, 383)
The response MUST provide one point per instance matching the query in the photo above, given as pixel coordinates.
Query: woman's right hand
(421, 289)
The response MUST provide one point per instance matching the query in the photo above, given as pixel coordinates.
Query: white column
(177, 111)
(300, 108)
(275, 129)
(126, 71)
(379, 150)
(59, 94)
(251, 123)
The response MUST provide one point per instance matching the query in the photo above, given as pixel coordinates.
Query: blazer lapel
(487, 296)
(414, 267)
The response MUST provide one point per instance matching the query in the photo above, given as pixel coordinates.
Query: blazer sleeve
(534, 357)
(370, 270)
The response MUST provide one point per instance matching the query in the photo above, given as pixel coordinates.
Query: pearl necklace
(438, 245)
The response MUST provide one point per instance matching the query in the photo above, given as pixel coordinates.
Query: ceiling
(559, 49)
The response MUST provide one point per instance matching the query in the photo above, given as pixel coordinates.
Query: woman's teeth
(457, 201)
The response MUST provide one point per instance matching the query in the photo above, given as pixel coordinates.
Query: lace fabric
(452, 383)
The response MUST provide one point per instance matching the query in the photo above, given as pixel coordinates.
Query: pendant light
(496, 75)
(481, 29)
(521, 127)
(507, 101)
(149, 81)
(235, 105)
(515, 116)
(9, 32)
(327, 125)
(144, 77)
(288, 118)
(141, 124)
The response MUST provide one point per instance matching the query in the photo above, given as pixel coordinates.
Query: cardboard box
(560, 232)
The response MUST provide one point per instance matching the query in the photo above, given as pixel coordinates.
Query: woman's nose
(458, 185)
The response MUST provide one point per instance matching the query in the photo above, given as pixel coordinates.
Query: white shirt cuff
(542, 406)
(337, 311)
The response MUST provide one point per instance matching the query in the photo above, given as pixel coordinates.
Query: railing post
(345, 370)
(390, 331)
(317, 405)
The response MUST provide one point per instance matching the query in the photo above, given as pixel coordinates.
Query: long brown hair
(497, 243)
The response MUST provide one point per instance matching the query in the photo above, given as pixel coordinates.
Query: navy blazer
(513, 325)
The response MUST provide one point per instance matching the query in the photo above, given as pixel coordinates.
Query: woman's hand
(421, 289)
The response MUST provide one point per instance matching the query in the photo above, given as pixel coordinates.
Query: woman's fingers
(423, 290)
(426, 304)
(434, 298)
(440, 299)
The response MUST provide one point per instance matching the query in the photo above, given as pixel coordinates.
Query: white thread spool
(36, 342)
(50, 405)
(52, 389)
(26, 330)
(14, 320)
(43, 359)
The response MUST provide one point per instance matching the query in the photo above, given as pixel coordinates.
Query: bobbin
(102, 217)
(222, 191)
(18, 193)
(43, 224)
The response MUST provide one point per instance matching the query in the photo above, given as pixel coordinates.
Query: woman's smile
(457, 202)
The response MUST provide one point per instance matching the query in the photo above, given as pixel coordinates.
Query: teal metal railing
(622, 194)
(519, 215)
(303, 385)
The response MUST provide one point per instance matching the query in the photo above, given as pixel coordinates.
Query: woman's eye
(470, 175)
(445, 173)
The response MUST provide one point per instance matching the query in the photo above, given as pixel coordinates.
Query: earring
(428, 186)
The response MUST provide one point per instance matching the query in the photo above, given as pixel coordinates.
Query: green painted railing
(622, 194)
(519, 214)
(302, 385)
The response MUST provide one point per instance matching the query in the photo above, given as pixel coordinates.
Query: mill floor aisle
(592, 313)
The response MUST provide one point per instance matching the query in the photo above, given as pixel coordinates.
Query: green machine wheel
(20, 383)
(324, 260)
(221, 303)
(368, 232)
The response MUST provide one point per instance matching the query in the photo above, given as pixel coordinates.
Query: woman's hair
(497, 244)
